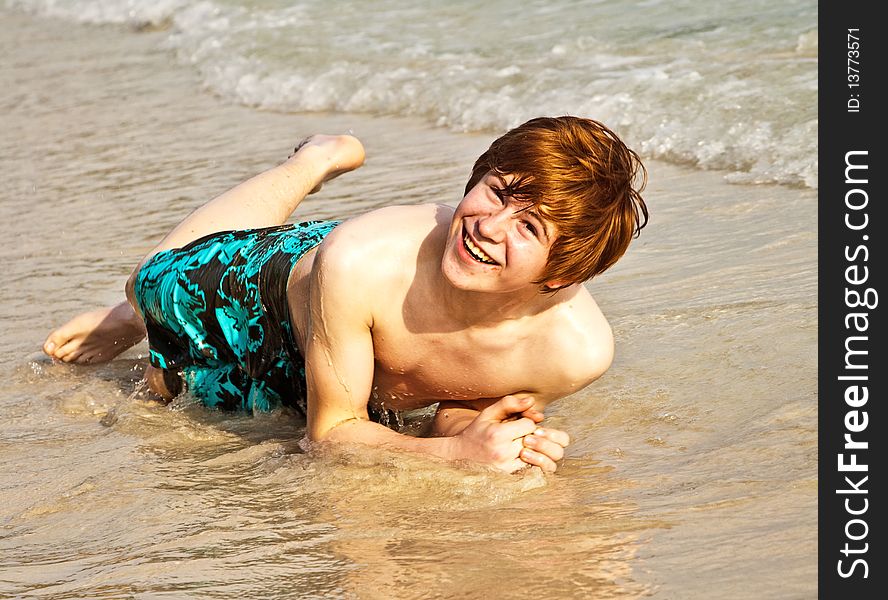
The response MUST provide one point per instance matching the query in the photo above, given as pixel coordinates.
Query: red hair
(581, 178)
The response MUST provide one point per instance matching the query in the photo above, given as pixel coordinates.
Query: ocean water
(729, 86)
(692, 472)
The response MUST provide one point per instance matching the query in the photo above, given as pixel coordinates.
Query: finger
(543, 446)
(505, 407)
(535, 415)
(556, 435)
(542, 461)
(517, 429)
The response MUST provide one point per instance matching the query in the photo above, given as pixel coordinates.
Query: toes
(60, 338)
(66, 352)
(55, 340)
(70, 357)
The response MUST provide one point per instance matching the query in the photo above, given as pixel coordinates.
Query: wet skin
(410, 306)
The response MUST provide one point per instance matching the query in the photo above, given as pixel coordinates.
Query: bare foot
(96, 336)
(341, 154)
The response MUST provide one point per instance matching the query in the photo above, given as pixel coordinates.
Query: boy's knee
(130, 288)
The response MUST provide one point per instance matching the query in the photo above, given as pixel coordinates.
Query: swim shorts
(216, 312)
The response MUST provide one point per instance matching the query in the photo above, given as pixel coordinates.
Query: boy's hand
(544, 448)
(495, 437)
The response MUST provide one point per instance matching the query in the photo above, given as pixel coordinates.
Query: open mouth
(476, 252)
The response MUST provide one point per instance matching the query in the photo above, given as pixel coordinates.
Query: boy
(480, 309)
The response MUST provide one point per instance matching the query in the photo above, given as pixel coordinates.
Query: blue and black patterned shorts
(216, 312)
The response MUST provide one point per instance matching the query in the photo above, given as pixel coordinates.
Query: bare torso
(423, 354)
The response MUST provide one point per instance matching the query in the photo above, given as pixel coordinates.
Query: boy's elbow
(331, 430)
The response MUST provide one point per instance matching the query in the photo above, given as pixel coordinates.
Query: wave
(729, 94)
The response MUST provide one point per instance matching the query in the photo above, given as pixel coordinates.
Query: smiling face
(496, 243)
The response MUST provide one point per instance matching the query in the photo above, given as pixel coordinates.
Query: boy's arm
(340, 363)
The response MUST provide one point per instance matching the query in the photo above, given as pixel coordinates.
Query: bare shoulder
(580, 342)
(389, 229)
(378, 249)
(362, 266)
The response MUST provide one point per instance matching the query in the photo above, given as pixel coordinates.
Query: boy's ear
(556, 284)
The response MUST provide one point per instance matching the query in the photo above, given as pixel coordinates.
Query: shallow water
(693, 467)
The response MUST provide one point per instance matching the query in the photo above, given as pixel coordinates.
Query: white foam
(133, 12)
(691, 91)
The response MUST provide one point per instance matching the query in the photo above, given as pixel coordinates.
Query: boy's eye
(530, 227)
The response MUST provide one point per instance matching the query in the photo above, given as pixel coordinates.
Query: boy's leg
(266, 200)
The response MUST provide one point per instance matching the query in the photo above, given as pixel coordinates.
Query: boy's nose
(494, 225)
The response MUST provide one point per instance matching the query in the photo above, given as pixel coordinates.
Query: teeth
(477, 252)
